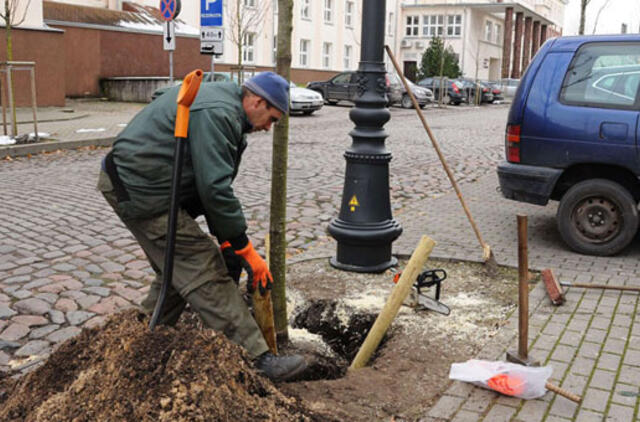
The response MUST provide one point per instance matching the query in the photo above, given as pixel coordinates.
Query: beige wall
(32, 17)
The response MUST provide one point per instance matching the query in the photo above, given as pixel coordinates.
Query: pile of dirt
(122, 371)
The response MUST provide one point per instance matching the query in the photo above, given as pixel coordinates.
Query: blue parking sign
(210, 13)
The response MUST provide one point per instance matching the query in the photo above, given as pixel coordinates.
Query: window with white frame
(328, 11)
(275, 49)
(305, 9)
(498, 33)
(250, 3)
(348, 14)
(390, 24)
(488, 31)
(248, 42)
(432, 25)
(454, 25)
(304, 53)
(326, 55)
(347, 57)
(413, 23)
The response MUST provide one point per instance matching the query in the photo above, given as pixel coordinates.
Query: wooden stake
(390, 310)
(523, 288)
(263, 311)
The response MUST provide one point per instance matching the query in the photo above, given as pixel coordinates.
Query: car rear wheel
(308, 112)
(597, 217)
(406, 102)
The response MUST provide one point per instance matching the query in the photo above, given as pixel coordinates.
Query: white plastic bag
(507, 378)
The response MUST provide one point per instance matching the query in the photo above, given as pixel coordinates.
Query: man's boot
(280, 368)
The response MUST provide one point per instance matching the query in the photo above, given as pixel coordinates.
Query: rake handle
(563, 392)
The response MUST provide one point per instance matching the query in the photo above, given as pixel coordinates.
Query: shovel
(187, 94)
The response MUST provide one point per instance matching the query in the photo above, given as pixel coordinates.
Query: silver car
(304, 100)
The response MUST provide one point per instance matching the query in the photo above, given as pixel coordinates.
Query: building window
(390, 24)
(328, 11)
(413, 23)
(347, 57)
(275, 49)
(498, 31)
(488, 31)
(454, 25)
(249, 3)
(304, 53)
(305, 9)
(326, 55)
(432, 25)
(348, 14)
(248, 41)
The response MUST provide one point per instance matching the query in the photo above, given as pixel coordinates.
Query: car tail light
(485, 90)
(455, 87)
(386, 77)
(513, 143)
(496, 91)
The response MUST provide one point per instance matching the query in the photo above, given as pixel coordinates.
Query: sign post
(169, 9)
(211, 30)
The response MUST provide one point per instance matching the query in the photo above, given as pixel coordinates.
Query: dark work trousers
(200, 276)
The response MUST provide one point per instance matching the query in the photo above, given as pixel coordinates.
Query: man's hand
(233, 261)
(257, 269)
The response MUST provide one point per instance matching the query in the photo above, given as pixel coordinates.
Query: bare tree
(278, 214)
(244, 25)
(11, 18)
(595, 24)
(583, 10)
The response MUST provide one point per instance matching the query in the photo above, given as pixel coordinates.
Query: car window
(342, 78)
(603, 75)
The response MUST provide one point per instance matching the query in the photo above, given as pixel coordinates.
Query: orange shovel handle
(187, 94)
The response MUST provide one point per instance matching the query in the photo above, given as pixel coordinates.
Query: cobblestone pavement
(66, 261)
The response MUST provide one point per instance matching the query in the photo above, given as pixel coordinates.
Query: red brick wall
(46, 48)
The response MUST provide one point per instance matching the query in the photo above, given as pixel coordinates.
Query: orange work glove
(256, 268)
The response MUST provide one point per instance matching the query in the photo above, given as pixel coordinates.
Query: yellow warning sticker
(353, 203)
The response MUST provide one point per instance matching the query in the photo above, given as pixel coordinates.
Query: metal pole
(365, 228)
(171, 67)
(213, 68)
(14, 124)
(33, 102)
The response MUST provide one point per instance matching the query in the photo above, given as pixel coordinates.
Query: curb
(41, 147)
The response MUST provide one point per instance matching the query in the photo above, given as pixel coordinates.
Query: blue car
(572, 136)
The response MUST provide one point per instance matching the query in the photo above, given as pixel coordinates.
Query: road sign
(170, 9)
(210, 13)
(169, 37)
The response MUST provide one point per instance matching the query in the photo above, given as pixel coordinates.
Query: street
(66, 261)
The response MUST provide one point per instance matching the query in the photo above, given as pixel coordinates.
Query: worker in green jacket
(136, 181)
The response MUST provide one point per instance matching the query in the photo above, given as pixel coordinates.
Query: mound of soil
(122, 371)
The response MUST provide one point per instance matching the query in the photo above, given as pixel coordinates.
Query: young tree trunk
(583, 8)
(277, 224)
(14, 119)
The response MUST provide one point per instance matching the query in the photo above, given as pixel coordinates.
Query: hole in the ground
(343, 331)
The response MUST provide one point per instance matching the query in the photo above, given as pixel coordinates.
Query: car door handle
(613, 131)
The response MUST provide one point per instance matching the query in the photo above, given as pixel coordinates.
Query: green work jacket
(144, 153)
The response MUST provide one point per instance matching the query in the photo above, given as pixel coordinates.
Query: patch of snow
(7, 140)
(180, 28)
(40, 135)
(122, 125)
(100, 129)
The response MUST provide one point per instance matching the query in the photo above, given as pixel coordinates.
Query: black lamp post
(365, 228)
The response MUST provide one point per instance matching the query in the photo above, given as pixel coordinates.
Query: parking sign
(210, 13)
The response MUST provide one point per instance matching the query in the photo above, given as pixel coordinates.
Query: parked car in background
(453, 94)
(422, 95)
(471, 88)
(303, 100)
(572, 136)
(509, 86)
(498, 97)
(344, 87)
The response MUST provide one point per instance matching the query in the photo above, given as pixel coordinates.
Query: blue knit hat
(272, 87)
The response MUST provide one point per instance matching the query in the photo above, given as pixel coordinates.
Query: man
(136, 181)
